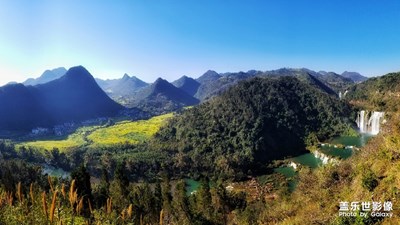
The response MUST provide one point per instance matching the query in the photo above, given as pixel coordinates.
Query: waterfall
(374, 122)
(361, 121)
(342, 95)
(324, 158)
(371, 125)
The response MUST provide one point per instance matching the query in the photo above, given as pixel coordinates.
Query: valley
(200, 112)
(254, 142)
(103, 135)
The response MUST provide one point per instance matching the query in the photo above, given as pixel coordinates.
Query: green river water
(329, 149)
(308, 159)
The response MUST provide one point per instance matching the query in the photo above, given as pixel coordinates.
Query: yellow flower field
(97, 136)
(127, 132)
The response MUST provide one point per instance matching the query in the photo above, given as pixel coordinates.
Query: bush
(369, 181)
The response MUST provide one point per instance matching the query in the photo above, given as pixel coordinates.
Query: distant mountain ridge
(73, 97)
(124, 86)
(47, 76)
(187, 84)
(162, 96)
(213, 84)
(356, 77)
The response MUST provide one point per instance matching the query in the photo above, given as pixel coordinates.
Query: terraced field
(97, 136)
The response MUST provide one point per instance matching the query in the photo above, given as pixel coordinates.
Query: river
(340, 147)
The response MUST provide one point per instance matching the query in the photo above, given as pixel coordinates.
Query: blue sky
(172, 38)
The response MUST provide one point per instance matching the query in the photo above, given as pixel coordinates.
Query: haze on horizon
(174, 38)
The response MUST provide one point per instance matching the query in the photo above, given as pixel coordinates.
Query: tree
(102, 192)
(83, 187)
(121, 178)
(181, 204)
(204, 200)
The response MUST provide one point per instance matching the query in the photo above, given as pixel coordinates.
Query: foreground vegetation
(370, 175)
(38, 200)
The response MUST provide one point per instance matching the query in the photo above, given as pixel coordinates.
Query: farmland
(132, 132)
(127, 132)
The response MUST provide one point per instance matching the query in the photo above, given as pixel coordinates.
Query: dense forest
(260, 120)
(378, 93)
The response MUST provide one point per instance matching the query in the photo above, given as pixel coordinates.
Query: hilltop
(73, 97)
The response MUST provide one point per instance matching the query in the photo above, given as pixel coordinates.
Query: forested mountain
(187, 84)
(337, 82)
(47, 76)
(312, 80)
(377, 93)
(251, 124)
(207, 84)
(77, 89)
(356, 77)
(20, 108)
(161, 96)
(326, 80)
(213, 83)
(74, 96)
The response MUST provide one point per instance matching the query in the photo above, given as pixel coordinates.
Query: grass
(97, 136)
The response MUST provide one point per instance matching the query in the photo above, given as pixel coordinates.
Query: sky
(151, 39)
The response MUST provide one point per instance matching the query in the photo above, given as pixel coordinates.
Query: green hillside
(251, 124)
(378, 93)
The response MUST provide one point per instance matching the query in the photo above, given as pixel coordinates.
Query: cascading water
(371, 125)
(361, 121)
(374, 122)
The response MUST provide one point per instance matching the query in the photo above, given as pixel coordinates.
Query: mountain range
(54, 96)
(160, 97)
(74, 96)
(121, 87)
(127, 90)
(213, 83)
